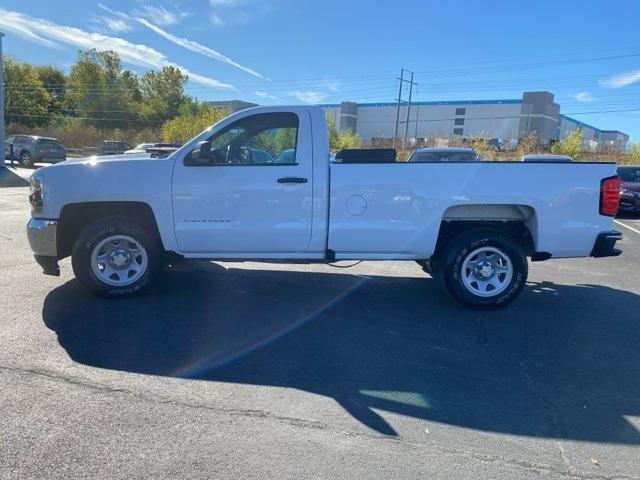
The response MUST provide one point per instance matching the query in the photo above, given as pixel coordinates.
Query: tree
(339, 140)
(25, 98)
(634, 154)
(570, 145)
(192, 119)
(529, 143)
(100, 92)
(162, 94)
(54, 82)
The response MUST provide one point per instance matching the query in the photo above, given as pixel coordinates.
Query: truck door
(254, 197)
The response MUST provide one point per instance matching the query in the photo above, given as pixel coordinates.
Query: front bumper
(42, 235)
(605, 243)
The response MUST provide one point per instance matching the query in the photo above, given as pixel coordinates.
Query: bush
(190, 122)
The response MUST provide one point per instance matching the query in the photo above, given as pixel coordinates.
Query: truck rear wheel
(484, 269)
(115, 257)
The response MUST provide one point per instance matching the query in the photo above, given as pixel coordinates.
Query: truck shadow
(9, 178)
(562, 362)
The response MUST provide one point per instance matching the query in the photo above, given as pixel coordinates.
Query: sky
(587, 53)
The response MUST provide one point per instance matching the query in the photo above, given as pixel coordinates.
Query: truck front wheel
(484, 269)
(115, 257)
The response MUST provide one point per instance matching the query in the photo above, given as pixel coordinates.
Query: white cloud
(226, 12)
(160, 15)
(263, 94)
(330, 84)
(308, 96)
(114, 24)
(38, 29)
(584, 97)
(21, 26)
(197, 47)
(621, 80)
(116, 21)
(216, 20)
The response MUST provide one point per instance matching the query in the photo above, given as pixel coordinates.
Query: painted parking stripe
(627, 226)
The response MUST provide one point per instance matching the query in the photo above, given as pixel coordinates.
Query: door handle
(292, 180)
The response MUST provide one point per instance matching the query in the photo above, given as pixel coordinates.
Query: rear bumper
(43, 236)
(605, 243)
(629, 205)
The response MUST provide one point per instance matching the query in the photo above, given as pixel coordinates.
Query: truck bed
(397, 208)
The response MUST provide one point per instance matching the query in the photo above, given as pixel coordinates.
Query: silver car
(31, 149)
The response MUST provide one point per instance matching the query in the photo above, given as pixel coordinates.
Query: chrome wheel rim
(487, 272)
(119, 260)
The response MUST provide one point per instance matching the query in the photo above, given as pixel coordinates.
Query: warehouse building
(507, 120)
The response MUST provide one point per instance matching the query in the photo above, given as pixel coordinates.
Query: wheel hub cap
(119, 258)
(484, 270)
(487, 271)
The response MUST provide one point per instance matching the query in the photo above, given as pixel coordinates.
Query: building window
(459, 121)
(461, 111)
(457, 131)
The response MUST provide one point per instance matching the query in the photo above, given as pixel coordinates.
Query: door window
(261, 139)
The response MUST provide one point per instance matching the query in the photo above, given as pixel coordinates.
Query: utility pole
(406, 125)
(2, 165)
(395, 133)
(400, 102)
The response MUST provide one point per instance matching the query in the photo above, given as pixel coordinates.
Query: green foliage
(192, 119)
(26, 100)
(633, 156)
(100, 92)
(529, 144)
(53, 80)
(339, 140)
(570, 145)
(162, 94)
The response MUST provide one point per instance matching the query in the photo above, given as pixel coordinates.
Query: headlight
(35, 194)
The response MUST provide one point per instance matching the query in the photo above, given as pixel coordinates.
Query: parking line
(627, 226)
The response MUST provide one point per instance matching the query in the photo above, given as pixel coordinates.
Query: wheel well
(516, 229)
(77, 216)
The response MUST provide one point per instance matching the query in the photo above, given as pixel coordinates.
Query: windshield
(629, 174)
(438, 157)
(144, 146)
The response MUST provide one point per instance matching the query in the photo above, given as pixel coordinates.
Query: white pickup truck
(261, 185)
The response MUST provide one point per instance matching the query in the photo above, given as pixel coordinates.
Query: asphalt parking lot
(260, 370)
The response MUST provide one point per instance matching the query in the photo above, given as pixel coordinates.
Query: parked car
(546, 158)
(144, 148)
(629, 188)
(140, 148)
(31, 149)
(162, 150)
(444, 154)
(114, 147)
(471, 224)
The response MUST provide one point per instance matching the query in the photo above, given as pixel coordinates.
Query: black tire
(26, 159)
(464, 245)
(89, 239)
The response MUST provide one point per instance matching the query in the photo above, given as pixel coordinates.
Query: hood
(632, 186)
(103, 159)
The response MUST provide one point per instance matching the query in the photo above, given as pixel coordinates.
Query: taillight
(610, 196)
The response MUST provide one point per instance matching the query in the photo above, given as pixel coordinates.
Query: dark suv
(114, 147)
(30, 149)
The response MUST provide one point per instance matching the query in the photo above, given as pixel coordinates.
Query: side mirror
(201, 155)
